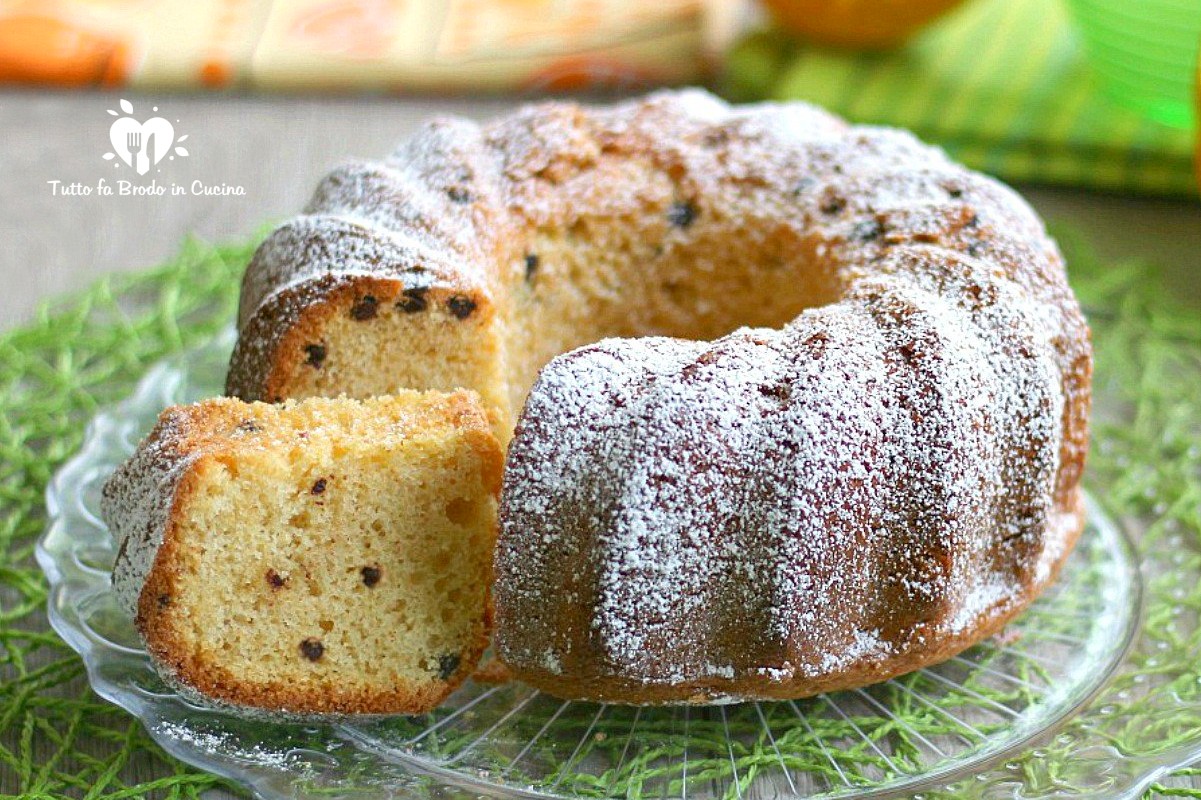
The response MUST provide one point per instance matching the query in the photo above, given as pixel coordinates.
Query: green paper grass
(57, 739)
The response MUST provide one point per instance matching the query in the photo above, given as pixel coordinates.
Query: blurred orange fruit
(860, 24)
(575, 73)
(44, 49)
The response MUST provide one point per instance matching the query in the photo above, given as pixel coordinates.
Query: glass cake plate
(1029, 713)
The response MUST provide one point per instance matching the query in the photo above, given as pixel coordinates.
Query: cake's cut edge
(372, 596)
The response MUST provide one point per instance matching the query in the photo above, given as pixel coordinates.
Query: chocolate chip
(316, 355)
(448, 665)
(908, 351)
(318, 486)
(413, 300)
(164, 600)
(458, 194)
(972, 221)
(975, 249)
(312, 649)
(370, 575)
(249, 426)
(866, 230)
(531, 265)
(954, 192)
(276, 580)
(461, 306)
(682, 214)
(365, 309)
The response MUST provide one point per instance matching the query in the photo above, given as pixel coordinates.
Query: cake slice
(327, 556)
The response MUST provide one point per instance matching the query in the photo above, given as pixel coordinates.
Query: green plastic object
(1144, 53)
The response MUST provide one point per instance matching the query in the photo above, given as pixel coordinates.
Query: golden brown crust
(599, 687)
(270, 359)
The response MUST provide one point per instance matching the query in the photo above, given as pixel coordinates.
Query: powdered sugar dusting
(777, 506)
(791, 504)
(136, 504)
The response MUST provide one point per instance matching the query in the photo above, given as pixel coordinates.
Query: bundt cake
(319, 557)
(879, 471)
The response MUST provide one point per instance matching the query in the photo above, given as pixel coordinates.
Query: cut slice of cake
(327, 556)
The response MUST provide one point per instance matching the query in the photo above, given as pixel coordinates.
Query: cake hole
(461, 511)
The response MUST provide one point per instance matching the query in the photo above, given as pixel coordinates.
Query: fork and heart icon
(142, 145)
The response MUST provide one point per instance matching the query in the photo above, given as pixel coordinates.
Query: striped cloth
(1001, 84)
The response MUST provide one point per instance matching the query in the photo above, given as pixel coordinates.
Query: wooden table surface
(277, 148)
